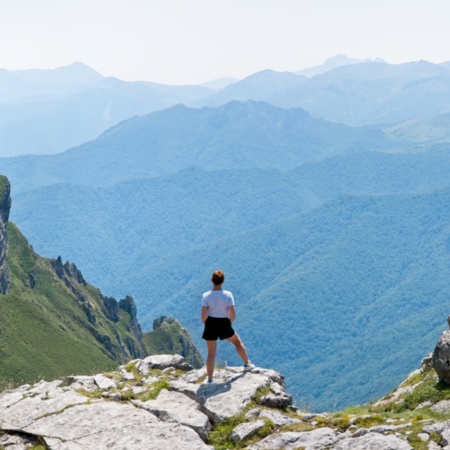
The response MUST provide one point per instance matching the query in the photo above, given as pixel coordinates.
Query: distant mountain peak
(79, 68)
(333, 63)
(219, 83)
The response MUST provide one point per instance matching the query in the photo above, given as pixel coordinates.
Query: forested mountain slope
(234, 136)
(293, 243)
(331, 296)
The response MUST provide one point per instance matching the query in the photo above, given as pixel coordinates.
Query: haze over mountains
(44, 112)
(236, 135)
(48, 111)
(334, 238)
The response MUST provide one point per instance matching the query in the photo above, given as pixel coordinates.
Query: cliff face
(54, 323)
(5, 205)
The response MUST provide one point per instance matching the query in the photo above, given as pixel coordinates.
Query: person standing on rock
(218, 314)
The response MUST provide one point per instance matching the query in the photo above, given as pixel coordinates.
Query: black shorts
(217, 327)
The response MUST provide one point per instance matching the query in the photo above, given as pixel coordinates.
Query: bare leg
(210, 360)
(240, 348)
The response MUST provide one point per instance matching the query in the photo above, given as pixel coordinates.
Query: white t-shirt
(218, 303)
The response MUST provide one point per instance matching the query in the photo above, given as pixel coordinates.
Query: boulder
(167, 361)
(372, 441)
(316, 439)
(278, 419)
(246, 430)
(441, 357)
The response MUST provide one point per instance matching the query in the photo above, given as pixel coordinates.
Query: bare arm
(204, 313)
(232, 313)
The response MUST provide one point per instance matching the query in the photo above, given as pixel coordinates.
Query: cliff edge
(161, 402)
(5, 205)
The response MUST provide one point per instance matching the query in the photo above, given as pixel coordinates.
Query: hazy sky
(193, 41)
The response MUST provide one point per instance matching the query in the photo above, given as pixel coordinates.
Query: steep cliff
(54, 323)
(5, 204)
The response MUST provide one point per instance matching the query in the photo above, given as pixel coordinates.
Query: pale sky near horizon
(194, 41)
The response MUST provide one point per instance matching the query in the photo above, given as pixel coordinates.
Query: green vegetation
(52, 323)
(3, 184)
(169, 337)
(45, 326)
(427, 389)
(219, 437)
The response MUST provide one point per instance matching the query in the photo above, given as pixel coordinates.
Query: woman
(218, 314)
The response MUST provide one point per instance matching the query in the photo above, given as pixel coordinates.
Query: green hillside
(52, 326)
(169, 337)
(53, 323)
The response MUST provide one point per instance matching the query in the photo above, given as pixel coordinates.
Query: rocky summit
(161, 402)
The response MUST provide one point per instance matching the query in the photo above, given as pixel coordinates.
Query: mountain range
(333, 237)
(370, 93)
(338, 228)
(49, 111)
(234, 136)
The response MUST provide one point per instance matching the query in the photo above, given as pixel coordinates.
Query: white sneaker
(248, 367)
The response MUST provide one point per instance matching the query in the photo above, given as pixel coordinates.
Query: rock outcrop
(440, 360)
(5, 206)
(169, 336)
(161, 402)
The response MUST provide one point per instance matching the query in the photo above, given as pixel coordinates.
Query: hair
(218, 278)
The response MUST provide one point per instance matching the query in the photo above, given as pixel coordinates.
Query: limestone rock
(43, 399)
(230, 393)
(280, 420)
(77, 413)
(246, 430)
(117, 426)
(433, 446)
(442, 407)
(167, 361)
(441, 357)
(372, 441)
(104, 382)
(437, 427)
(382, 429)
(177, 410)
(320, 438)
(14, 442)
(445, 437)
(276, 401)
(176, 407)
